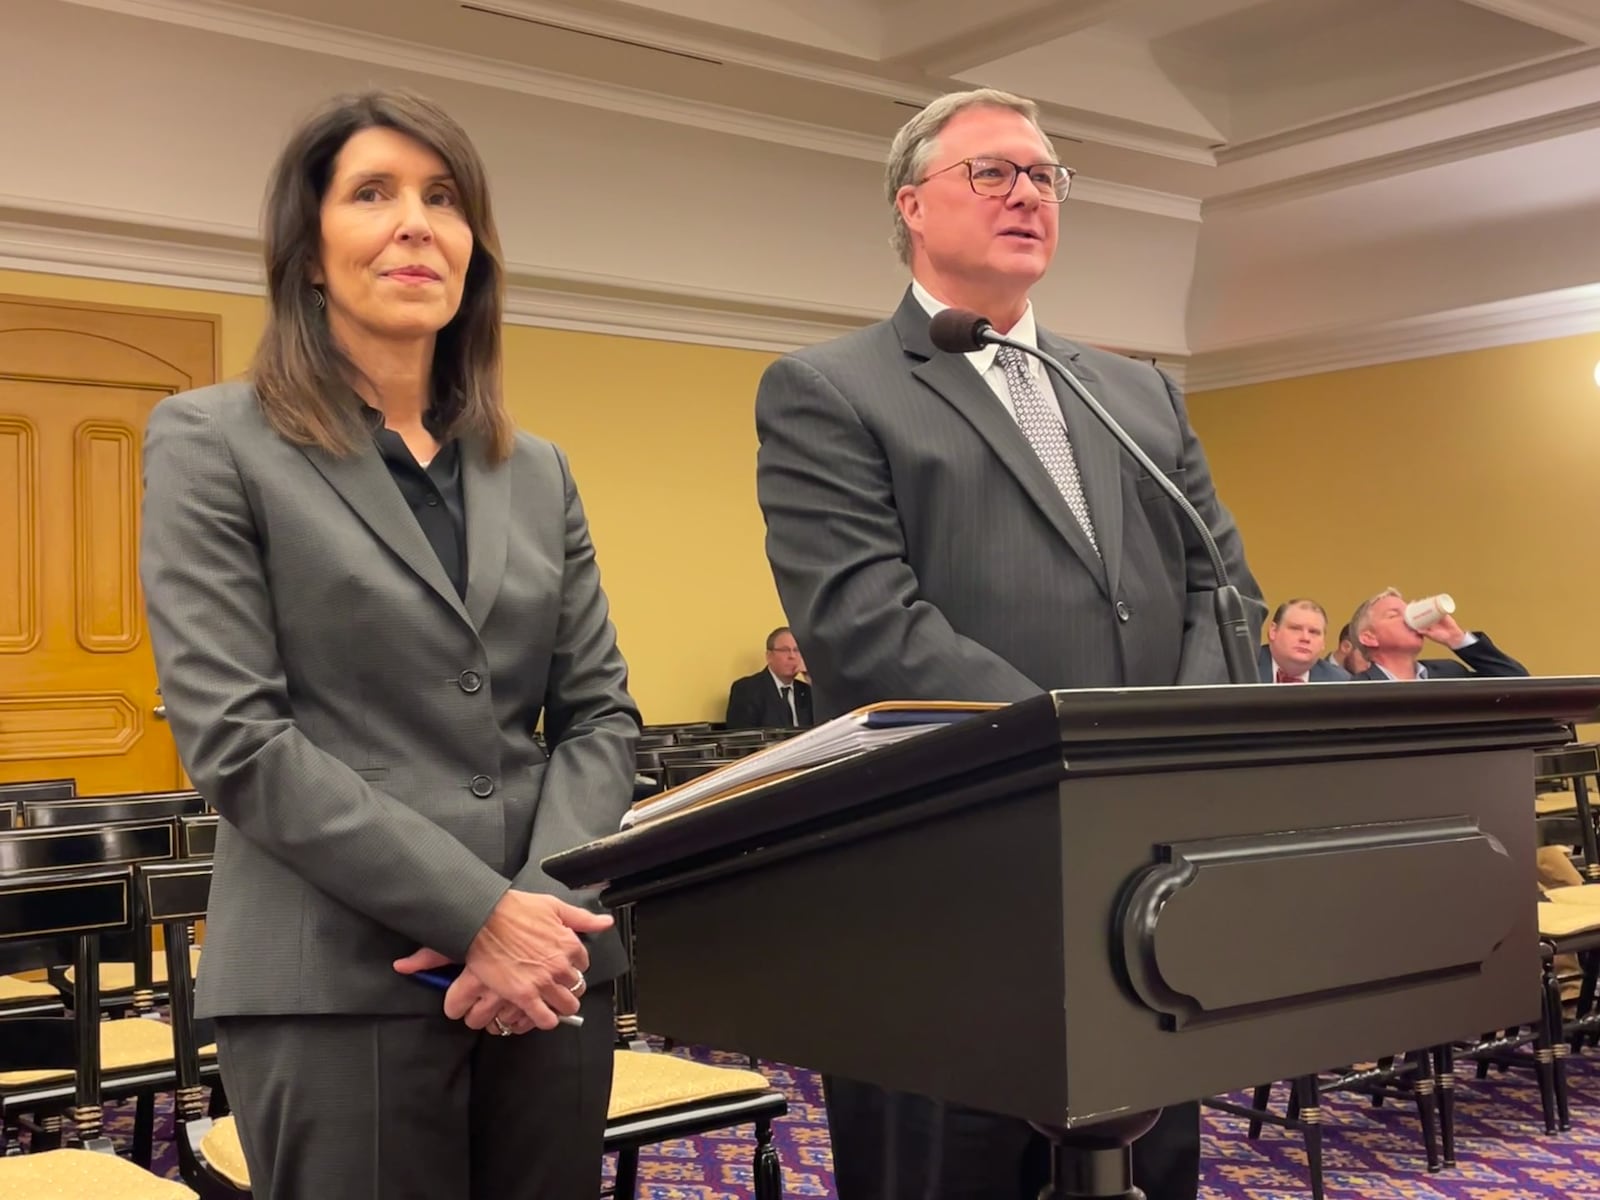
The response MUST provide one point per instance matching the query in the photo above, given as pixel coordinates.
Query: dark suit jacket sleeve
(744, 706)
(839, 558)
(1485, 658)
(1201, 659)
(212, 629)
(590, 721)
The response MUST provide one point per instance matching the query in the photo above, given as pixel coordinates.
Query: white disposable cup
(1420, 614)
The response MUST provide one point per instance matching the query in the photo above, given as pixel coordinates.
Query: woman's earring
(317, 300)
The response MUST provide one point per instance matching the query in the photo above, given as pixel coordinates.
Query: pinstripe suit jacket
(921, 550)
(365, 733)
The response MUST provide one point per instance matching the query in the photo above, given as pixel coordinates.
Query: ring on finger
(502, 1029)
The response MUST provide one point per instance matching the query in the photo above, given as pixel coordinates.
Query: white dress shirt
(984, 361)
(789, 699)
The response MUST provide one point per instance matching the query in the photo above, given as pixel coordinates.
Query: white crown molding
(1563, 313)
(220, 259)
(534, 296)
(1568, 62)
(341, 42)
(1401, 162)
(589, 20)
(1136, 199)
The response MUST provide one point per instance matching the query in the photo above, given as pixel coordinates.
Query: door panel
(77, 682)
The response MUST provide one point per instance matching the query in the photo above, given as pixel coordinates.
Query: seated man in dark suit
(1387, 639)
(1296, 636)
(1347, 656)
(772, 698)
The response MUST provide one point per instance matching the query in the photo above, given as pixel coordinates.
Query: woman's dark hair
(302, 379)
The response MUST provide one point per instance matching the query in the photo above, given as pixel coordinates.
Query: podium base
(1095, 1162)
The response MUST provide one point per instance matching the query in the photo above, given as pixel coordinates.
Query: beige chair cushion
(1548, 804)
(1574, 895)
(1564, 920)
(1555, 868)
(133, 1042)
(222, 1150)
(644, 1082)
(118, 976)
(85, 1174)
(12, 988)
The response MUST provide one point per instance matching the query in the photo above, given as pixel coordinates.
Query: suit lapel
(1098, 454)
(487, 495)
(952, 377)
(363, 481)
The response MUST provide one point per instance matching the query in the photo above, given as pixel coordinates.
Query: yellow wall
(1476, 474)
(662, 442)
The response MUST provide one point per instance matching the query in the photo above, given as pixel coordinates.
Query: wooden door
(77, 681)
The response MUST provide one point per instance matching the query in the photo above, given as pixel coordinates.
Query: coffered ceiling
(1289, 130)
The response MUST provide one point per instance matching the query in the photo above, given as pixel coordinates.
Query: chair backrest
(99, 810)
(26, 853)
(84, 906)
(8, 814)
(657, 757)
(1577, 765)
(40, 789)
(197, 835)
(172, 896)
(67, 847)
(675, 773)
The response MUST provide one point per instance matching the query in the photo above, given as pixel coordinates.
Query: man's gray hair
(914, 145)
(1362, 621)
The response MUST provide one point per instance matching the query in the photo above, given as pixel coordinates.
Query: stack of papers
(843, 737)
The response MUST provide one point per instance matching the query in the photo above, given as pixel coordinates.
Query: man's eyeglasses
(998, 177)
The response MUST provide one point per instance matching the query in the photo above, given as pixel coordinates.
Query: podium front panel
(983, 957)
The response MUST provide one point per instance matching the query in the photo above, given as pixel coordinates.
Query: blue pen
(443, 977)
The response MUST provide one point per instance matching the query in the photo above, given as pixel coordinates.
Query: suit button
(482, 787)
(1123, 612)
(470, 681)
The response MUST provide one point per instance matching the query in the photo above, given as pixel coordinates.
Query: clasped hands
(524, 969)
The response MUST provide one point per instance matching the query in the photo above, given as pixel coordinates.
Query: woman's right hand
(527, 954)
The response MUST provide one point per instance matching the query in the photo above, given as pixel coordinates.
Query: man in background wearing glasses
(958, 527)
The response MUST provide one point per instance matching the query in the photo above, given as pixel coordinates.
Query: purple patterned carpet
(1369, 1154)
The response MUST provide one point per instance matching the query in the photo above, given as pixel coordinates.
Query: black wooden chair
(197, 835)
(120, 985)
(674, 774)
(656, 1097)
(172, 897)
(136, 1052)
(81, 906)
(100, 810)
(38, 789)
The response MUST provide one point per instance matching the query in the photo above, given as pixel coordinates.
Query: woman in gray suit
(365, 589)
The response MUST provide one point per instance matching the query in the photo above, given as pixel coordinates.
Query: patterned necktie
(1038, 417)
(1282, 678)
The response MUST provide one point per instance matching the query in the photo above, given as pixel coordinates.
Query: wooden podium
(1083, 907)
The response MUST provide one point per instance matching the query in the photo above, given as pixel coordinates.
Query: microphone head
(959, 331)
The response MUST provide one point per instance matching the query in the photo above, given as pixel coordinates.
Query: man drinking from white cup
(1391, 634)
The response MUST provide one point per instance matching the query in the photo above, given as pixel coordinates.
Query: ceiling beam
(1575, 19)
(943, 38)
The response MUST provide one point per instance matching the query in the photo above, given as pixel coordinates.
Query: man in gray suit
(957, 527)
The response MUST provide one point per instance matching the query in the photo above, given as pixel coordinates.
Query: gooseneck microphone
(958, 331)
